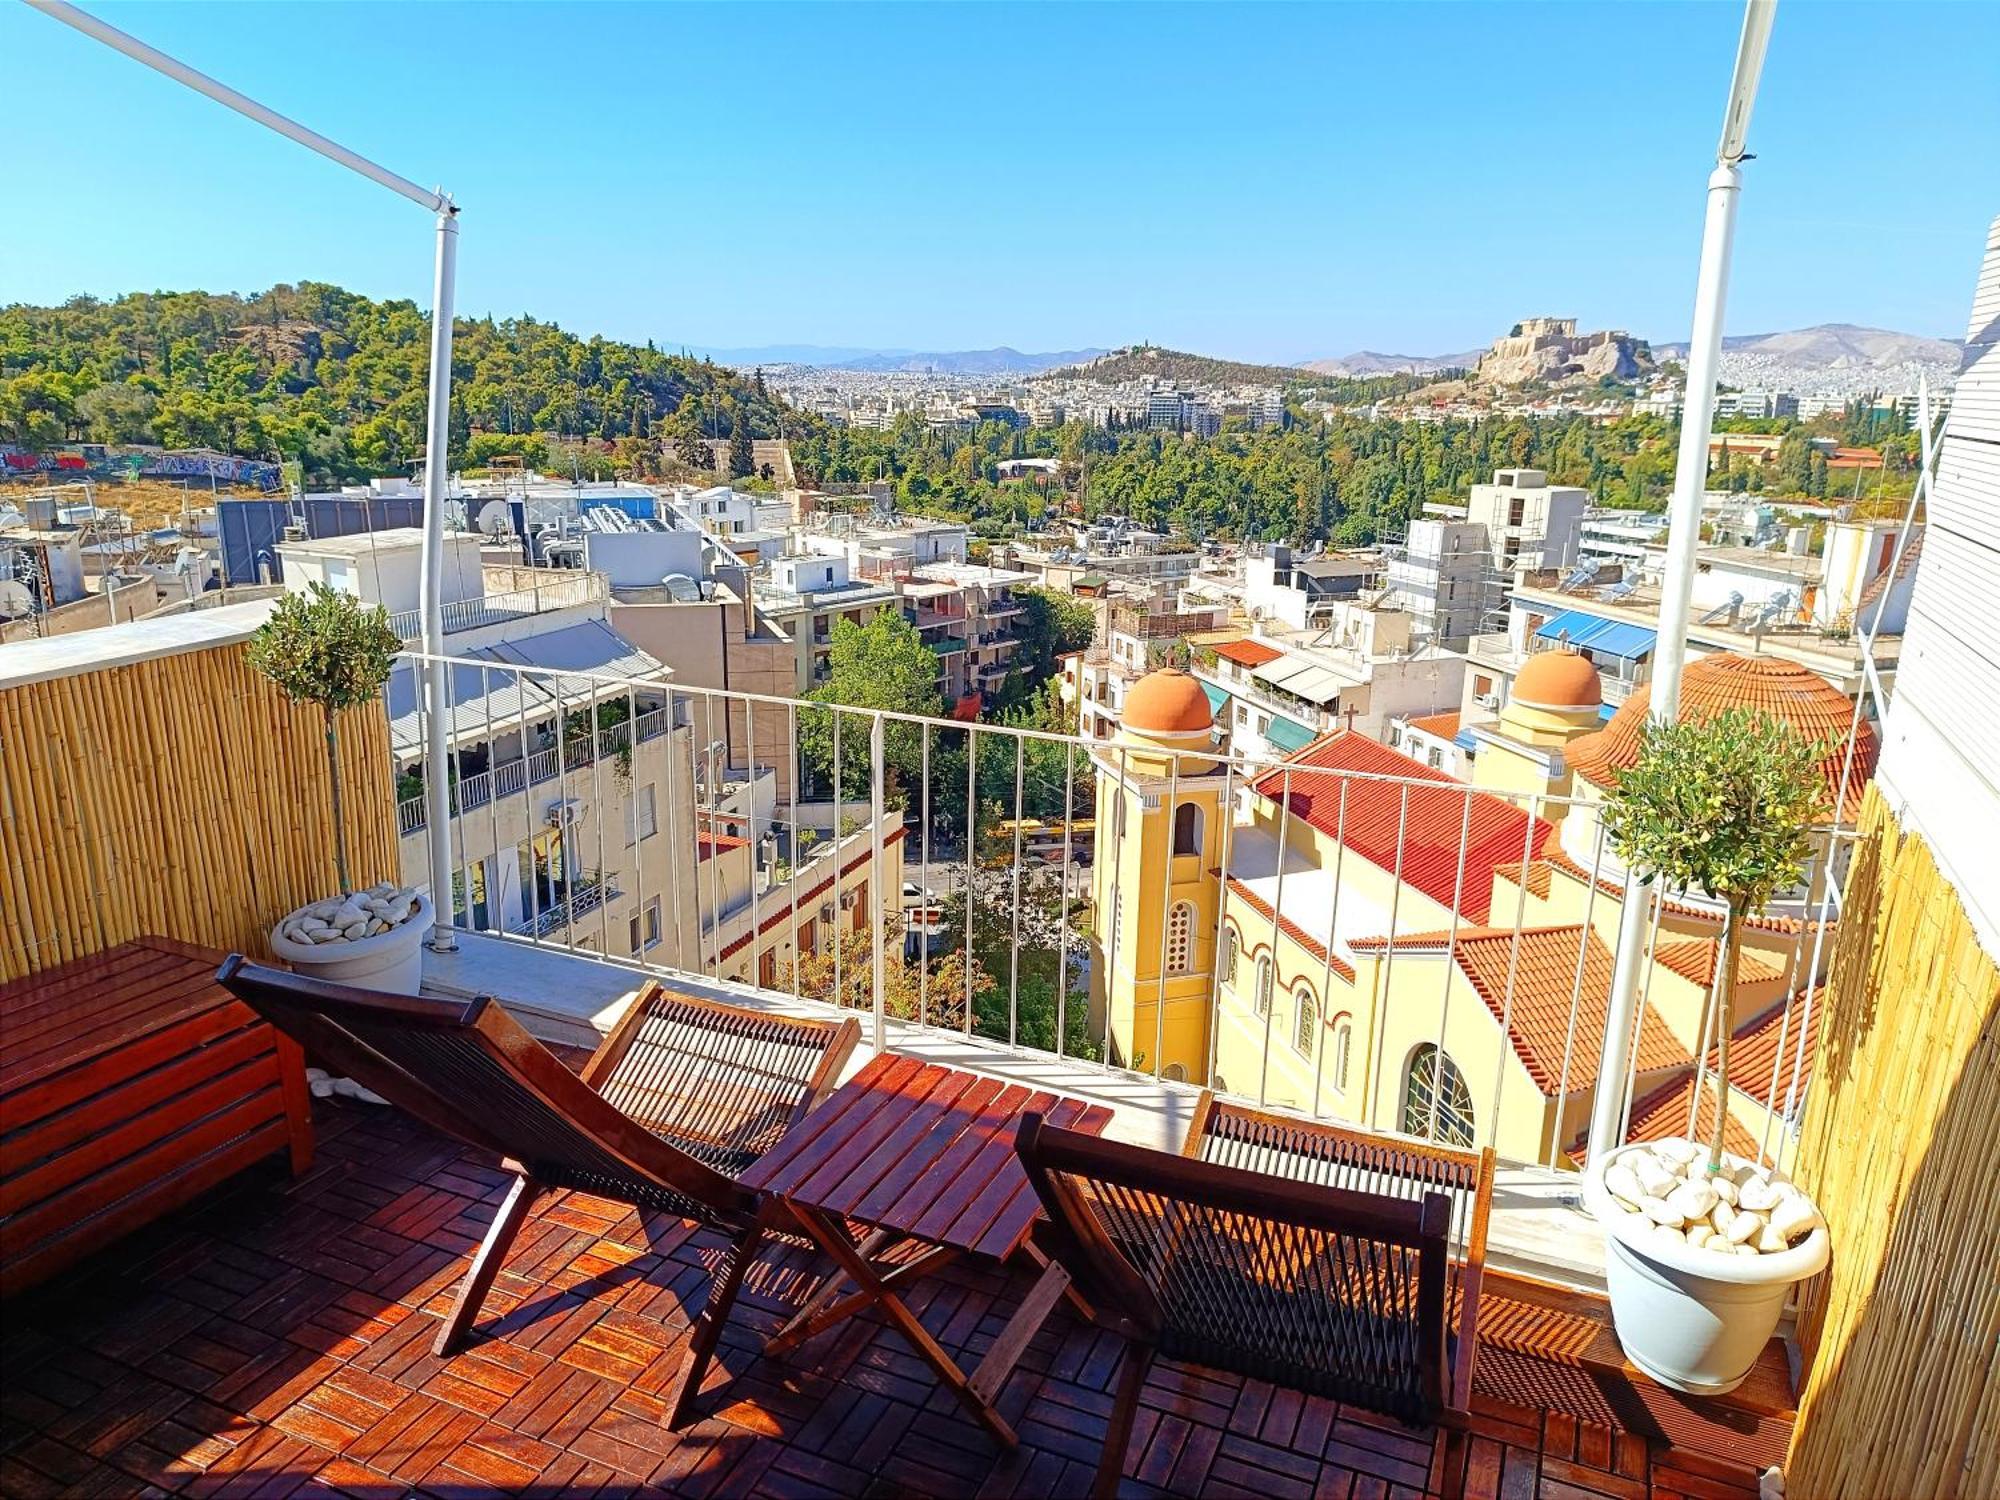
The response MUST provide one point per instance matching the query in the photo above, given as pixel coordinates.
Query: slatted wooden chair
(1236, 1135)
(682, 1095)
(1322, 1289)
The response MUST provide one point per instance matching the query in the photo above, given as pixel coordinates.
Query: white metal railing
(563, 591)
(1038, 950)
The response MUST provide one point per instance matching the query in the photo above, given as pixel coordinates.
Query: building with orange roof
(1373, 940)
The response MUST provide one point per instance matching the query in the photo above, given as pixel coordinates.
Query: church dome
(1167, 702)
(1559, 680)
(1783, 690)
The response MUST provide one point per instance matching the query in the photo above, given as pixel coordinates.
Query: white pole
(437, 442)
(1711, 296)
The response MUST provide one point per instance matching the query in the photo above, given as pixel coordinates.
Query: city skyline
(1223, 227)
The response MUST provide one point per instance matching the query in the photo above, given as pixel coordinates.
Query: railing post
(878, 883)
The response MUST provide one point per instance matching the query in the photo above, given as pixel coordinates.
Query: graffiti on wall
(144, 463)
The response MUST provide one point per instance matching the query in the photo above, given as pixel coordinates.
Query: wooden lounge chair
(1323, 1289)
(1236, 1135)
(684, 1094)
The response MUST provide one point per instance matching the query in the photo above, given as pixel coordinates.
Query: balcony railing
(563, 591)
(583, 894)
(515, 776)
(1417, 923)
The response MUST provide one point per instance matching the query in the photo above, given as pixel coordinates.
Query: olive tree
(1726, 806)
(326, 647)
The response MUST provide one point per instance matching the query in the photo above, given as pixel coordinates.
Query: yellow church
(1355, 935)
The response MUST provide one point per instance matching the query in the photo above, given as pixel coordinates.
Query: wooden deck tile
(275, 1340)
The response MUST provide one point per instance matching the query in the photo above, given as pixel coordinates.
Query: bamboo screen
(180, 795)
(1902, 1138)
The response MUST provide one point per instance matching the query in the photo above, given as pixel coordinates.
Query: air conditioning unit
(825, 912)
(1488, 700)
(562, 810)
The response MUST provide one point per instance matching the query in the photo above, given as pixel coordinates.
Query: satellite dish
(15, 600)
(494, 519)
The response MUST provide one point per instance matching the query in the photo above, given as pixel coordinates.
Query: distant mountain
(1001, 361)
(1149, 361)
(1367, 362)
(1837, 346)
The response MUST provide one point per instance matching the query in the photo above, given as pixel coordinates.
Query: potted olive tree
(1704, 1245)
(326, 648)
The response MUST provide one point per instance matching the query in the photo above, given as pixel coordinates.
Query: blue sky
(1273, 183)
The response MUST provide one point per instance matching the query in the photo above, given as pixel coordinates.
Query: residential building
(1134, 635)
(1529, 522)
(1442, 574)
(1359, 667)
(1299, 590)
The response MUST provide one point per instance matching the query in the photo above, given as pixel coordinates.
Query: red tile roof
(1248, 653)
(1694, 959)
(1764, 922)
(1444, 726)
(1753, 1052)
(710, 843)
(1293, 931)
(1497, 833)
(1783, 690)
(1541, 968)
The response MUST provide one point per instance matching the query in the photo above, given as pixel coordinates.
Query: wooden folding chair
(1322, 1289)
(684, 1094)
(1236, 1135)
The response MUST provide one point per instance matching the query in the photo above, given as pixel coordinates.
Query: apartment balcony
(565, 902)
(513, 777)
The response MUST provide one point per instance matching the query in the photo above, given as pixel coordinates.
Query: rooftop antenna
(438, 436)
(1711, 295)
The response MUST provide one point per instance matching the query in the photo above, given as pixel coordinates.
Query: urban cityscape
(619, 915)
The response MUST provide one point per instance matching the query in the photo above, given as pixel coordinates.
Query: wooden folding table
(916, 1152)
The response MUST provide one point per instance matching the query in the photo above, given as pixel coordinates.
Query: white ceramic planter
(1692, 1319)
(391, 961)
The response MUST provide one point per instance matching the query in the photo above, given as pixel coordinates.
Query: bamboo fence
(181, 795)
(1902, 1337)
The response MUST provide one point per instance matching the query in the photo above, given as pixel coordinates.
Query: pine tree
(742, 456)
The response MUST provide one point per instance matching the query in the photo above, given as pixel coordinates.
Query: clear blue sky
(1282, 183)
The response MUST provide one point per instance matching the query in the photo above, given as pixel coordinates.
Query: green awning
(1288, 736)
(1218, 699)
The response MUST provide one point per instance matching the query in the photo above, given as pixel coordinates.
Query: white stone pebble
(340, 919)
(1741, 1210)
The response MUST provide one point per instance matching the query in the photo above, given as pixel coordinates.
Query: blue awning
(1288, 736)
(1598, 636)
(1464, 740)
(1218, 698)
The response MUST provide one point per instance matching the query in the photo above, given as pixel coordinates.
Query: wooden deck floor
(275, 1341)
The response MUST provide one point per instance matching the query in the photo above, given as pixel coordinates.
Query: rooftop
(276, 1338)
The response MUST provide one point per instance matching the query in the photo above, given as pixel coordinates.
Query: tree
(1051, 624)
(327, 648)
(1727, 806)
(882, 664)
(691, 449)
(742, 455)
(931, 989)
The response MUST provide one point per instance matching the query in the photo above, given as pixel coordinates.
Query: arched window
(1229, 956)
(1174, 1073)
(1187, 829)
(1263, 985)
(1435, 1085)
(1343, 1043)
(1118, 818)
(1305, 1023)
(1180, 938)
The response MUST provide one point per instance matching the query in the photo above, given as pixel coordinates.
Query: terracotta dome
(1559, 680)
(1783, 690)
(1168, 702)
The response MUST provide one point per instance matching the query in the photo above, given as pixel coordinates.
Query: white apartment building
(1442, 576)
(1361, 668)
(1529, 522)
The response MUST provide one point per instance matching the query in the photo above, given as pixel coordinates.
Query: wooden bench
(130, 1082)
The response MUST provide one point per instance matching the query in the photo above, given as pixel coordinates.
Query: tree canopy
(336, 381)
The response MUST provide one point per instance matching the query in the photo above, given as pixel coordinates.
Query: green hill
(1176, 368)
(336, 381)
